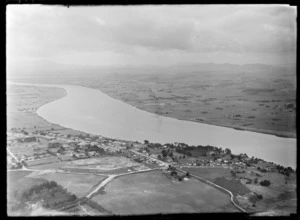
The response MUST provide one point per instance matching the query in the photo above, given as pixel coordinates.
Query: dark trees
(164, 153)
(265, 183)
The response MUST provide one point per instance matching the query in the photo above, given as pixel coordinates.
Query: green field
(50, 160)
(209, 173)
(49, 166)
(221, 177)
(17, 182)
(106, 172)
(78, 184)
(153, 192)
(14, 179)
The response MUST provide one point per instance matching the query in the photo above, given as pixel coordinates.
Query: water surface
(94, 112)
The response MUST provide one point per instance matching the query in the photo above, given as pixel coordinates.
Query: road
(198, 177)
(84, 210)
(111, 177)
(152, 158)
(220, 187)
(23, 167)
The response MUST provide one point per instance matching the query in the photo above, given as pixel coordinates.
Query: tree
(227, 151)
(233, 173)
(171, 154)
(189, 154)
(164, 153)
(255, 180)
(173, 173)
(265, 183)
(146, 142)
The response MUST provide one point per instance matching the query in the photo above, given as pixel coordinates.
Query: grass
(153, 192)
(56, 165)
(105, 163)
(78, 184)
(235, 186)
(18, 182)
(42, 161)
(96, 171)
(209, 173)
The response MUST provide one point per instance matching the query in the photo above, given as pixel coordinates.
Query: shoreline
(255, 130)
(120, 138)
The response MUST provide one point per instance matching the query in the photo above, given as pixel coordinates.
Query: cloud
(50, 31)
(100, 21)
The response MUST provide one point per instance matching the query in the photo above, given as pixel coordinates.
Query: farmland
(209, 173)
(238, 98)
(153, 192)
(76, 160)
(103, 163)
(50, 166)
(77, 184)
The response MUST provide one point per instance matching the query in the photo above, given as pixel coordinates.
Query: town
(84, 153)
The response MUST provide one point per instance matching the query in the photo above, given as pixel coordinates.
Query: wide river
(94, 112)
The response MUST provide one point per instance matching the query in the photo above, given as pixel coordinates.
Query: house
(27, 139)
(92, 153)
(80, 155)
(210, 153)
(226, 157)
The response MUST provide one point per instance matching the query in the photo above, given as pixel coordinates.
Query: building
(210, 153)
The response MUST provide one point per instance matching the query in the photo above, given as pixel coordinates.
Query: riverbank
(115, 119)
(225, 104)
(68, 136)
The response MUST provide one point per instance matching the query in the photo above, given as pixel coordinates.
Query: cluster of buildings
(142, 159)
(63, 146)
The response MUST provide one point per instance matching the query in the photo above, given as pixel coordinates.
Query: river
(94, 112)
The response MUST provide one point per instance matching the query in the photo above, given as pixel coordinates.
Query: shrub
(255, 180)
(265, 183)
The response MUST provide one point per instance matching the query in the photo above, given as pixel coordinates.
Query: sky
(161, 35)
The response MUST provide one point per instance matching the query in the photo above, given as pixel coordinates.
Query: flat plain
(260, 100)
(78, 184)
(153, 192)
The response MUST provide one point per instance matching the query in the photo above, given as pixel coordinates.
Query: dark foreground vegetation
(48, 195)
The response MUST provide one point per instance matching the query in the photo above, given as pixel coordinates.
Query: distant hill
(44, 68)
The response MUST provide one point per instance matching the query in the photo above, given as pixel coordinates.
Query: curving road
(220, 187)
(111, 177)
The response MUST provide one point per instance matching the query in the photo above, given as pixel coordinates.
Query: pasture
(153, 192)
(78, 184)
(209, 173)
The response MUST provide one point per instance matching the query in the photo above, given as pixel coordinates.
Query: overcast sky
(160, 35)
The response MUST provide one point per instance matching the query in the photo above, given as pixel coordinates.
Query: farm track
(111, 177)
(218, 187)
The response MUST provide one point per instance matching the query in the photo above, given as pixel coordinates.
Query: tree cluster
(265, 183)
(52, 195)
(54, 145)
